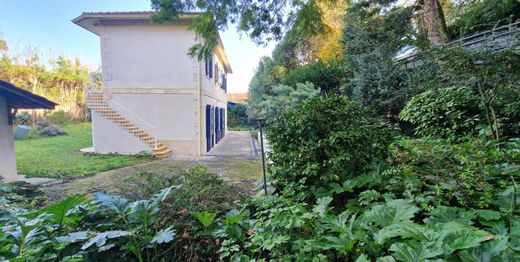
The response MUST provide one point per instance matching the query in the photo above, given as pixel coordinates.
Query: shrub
(237, 115)
(45, 128)
(286, 97)
(448, 113)
(435, 201)
(61, 117)
(328, 76)
(324, 141)
(468, 174)
(23, 118)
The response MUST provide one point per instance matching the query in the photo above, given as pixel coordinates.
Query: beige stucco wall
(7, 154)
(147, 70)
(108, 137)
(174, 115)
(148, 56)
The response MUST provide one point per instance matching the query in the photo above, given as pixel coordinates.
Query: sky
(46, 25)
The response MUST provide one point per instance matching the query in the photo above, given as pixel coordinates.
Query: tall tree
(434, 22)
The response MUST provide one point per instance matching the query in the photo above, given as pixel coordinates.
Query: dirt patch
(241, 172)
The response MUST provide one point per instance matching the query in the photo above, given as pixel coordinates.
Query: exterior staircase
(96, 101)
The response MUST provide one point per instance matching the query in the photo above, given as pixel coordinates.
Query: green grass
(59, 157)
(240, 127)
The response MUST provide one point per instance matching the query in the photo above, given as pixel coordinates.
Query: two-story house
(156, 97)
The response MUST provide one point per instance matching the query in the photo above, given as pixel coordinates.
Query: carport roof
(18, 98)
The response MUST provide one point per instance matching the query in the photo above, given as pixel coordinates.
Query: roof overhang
(18, 98)
(92, 20)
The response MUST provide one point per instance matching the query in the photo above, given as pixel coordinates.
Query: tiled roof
(238, 96)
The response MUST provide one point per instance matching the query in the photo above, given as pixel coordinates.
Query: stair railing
(125, 112)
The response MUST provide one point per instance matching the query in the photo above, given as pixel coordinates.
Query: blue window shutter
(210, 66)
(208, 128)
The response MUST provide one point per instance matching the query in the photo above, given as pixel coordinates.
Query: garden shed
(13, 98)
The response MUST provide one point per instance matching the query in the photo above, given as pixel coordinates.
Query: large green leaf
(393, 211)
(61, 211)
(322, 205)
(144, 212)
(163, 236)
(444, 214)
(111, 203)
(101, 238)
(163, 194)
(414, 252)
(402, 229)
(73, 237)
(489, 251)
(205, 218)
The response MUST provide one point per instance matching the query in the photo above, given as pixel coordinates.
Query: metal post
(260, 121)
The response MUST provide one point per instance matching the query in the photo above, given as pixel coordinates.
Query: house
(13, 98)
(156, 98)
(238, 98)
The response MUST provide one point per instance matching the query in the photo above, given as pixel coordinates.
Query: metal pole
(263, 155)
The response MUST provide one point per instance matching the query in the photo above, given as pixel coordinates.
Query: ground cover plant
(154, 225)
(428, 200)
(59, 157)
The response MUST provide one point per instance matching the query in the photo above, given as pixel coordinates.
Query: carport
(13, 98)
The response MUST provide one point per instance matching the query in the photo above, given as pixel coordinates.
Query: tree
(373, 34)
(286, 97)
(263, 21)
(434, 22)
(60, 79)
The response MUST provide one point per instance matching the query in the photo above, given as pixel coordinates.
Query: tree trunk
(434, 22)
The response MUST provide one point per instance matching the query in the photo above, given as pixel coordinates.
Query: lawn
(59, 157)
(240, 127)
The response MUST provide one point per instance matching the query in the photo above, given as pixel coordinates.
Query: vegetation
(452, 112)
(285, 97)
(323, 142)
(465, 18)
(108, 227)
(345, 181)
(237, 117)
(60, 79)
(59, 157)
(45, 128)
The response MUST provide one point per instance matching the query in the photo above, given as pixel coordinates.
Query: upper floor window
(209, 67)
(223, 80)
(217, 75)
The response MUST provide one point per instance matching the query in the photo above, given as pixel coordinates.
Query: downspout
(199, 108)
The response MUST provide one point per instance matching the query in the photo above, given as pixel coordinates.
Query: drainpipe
(199, 108)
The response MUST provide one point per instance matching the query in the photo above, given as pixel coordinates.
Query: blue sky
(46, 26)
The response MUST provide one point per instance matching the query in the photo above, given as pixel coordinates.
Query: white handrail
(127, 112)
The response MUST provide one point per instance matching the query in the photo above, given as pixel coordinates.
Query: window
(209, 67)
(223, 80)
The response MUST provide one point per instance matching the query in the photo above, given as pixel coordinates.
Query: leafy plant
(205, 218)
(286, 97)
(105, 226)
(324, 141)
(450, 113)
(23, 118)
(45, 128)
(60, 117)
